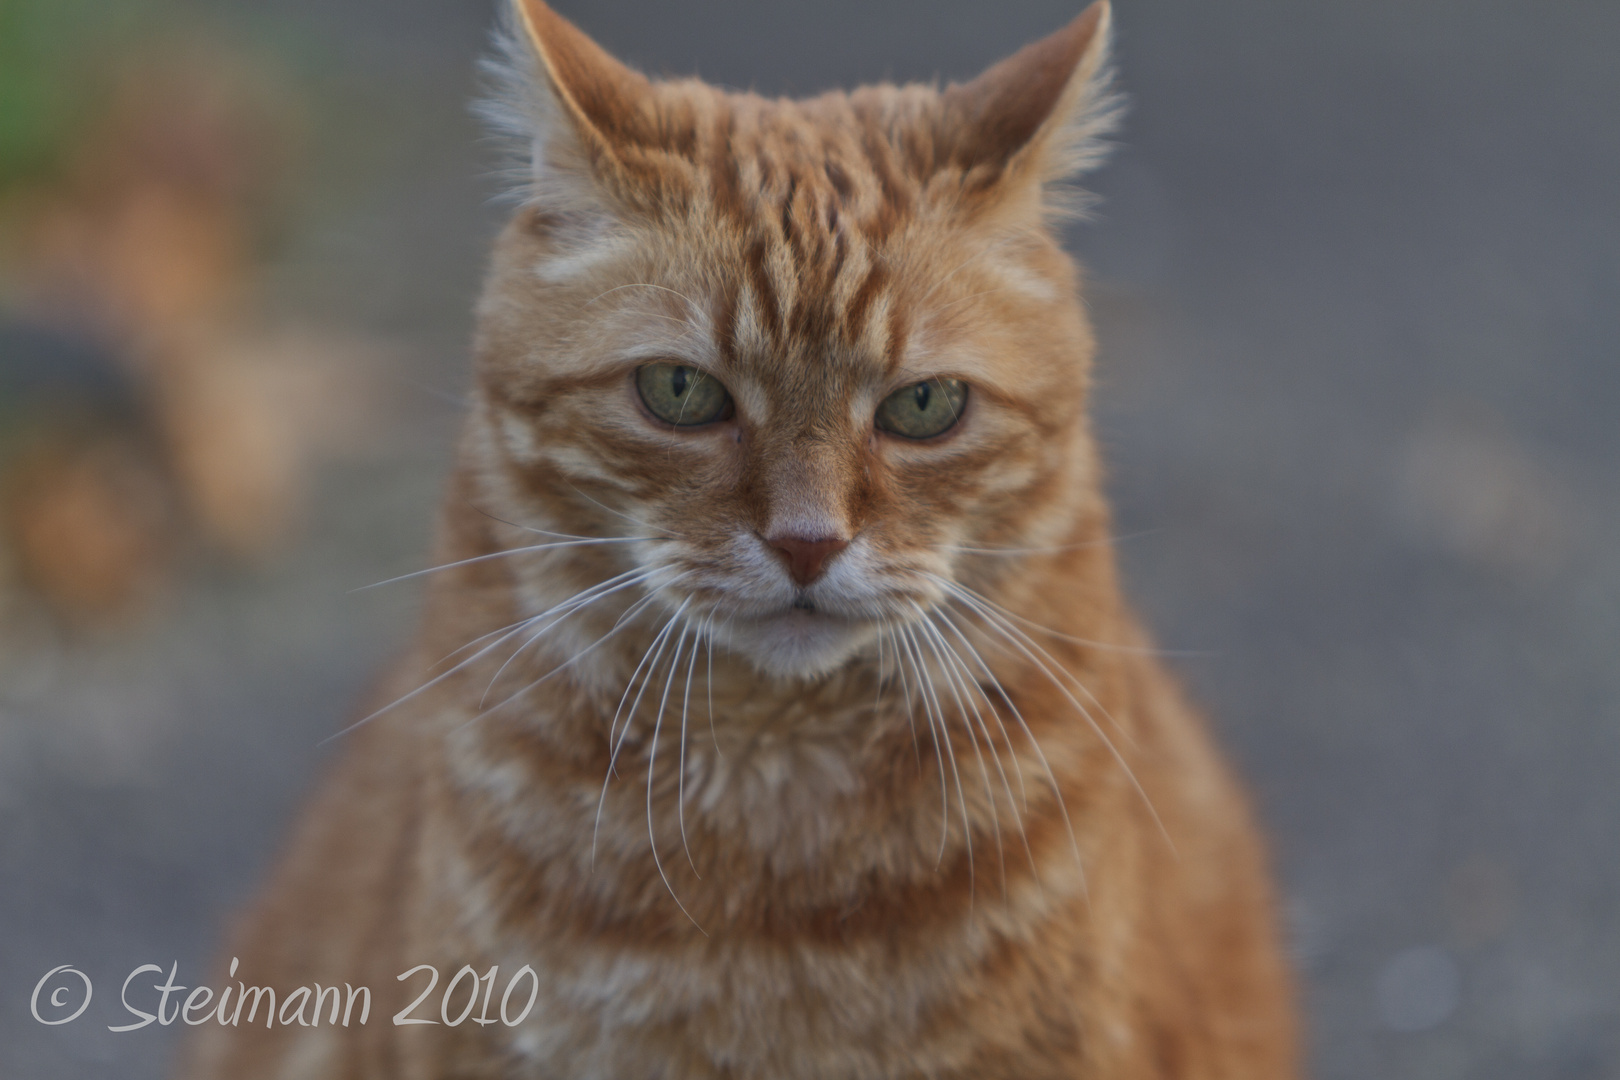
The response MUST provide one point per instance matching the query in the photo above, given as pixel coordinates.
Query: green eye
(681, 395)
(924, 409)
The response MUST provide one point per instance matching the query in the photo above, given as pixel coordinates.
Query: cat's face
(819, 357)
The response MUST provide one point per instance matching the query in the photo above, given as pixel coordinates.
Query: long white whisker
(967, 595)
(619, 624)
(883, 629)
(532, 619)
(651, 660)
(999, 625)
(547, 532)
(905, 693)
(691, 304)
(936, 312)
(513, 631)
(931, 637)
(578, 602)
(618, 514)
(1109, 646)
(905, 657)
(708, 640)
(965, 678)
(709, 684)
(453, 653)
(1046, 766)
(654, 653)
(573, 542)
(932, 706)
(652, 761)
(963, 265)
(654, 647)
(1006, 736)
(680, 779)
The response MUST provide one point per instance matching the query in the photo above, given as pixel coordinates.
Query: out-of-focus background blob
(1356, 274)
(153, 408)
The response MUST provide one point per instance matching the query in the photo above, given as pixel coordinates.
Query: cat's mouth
(804, 603)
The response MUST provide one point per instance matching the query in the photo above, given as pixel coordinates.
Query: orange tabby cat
(779, 715)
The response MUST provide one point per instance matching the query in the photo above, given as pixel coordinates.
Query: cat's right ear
(572, 108)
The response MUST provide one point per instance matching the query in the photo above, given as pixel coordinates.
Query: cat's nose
(807, 557)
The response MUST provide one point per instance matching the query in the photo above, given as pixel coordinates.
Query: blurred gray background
(1356, 275)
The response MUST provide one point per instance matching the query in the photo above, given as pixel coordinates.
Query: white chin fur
(794, 644)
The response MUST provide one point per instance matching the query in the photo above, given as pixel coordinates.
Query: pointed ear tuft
(608, 103)
(1043, 111)
(566, 105)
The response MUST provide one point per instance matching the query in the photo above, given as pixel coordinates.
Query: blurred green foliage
(51, 57)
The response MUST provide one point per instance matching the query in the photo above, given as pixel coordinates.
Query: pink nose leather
(807, 558)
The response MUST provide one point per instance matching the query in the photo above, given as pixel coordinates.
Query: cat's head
(818, 355)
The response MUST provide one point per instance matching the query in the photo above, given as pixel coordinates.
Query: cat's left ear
(1040, 115)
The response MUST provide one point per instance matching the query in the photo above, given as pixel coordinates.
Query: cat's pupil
(678, 381)
(922, 393)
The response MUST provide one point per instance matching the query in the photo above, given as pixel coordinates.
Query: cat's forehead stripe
(812, 195)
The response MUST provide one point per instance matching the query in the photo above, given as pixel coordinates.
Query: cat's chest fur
(795, 1003)
(779, 935)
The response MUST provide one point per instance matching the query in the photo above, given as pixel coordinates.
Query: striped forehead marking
(816, 209)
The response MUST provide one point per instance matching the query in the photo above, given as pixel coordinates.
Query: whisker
(651, 660)
(932, 705)
(1003, 615)
(680, 779)
(619, 624)
(516, 629)
(884, 630)
(1007, 632)
(1138, 650)
(579, 602)
(575, 542)
(617, 513)
(931, 633)
(964, 299)
(652, 762)
(1040, 754)
(956, 775)
(670, 318)
(1000, 692)
(654, 653)
(709, 640)
(963, 265)
(481, 637)
(537, 531)
(911, 721)
(691, 304)
(965, 678)
(1013, 803)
